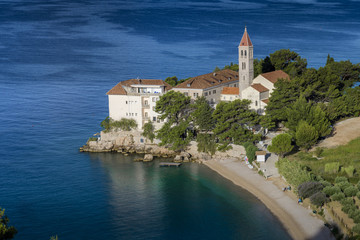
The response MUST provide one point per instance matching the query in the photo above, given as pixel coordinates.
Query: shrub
(124, 124)
(332, 167)
(351, 191)
(338, 196)
(331, 190)
(343, 185)
(325, 183)
(307, 189)
(318, 198)
(347, 208)
(358, 195)
(347, 201)
(250, 151)
(356, 228)
(92, 139)
(357, 218)
(341, 179)
(354, 213)
(349, 171)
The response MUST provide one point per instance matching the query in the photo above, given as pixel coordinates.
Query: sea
(58, 58)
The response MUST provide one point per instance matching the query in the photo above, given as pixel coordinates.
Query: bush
(124, 124)
(347, 208)
(331, 190)
(325, 183)
(92, 139)
(307, 189)
(343, 185)
(318, 199)
(358, 195)
(250, 151)
(347, 201)
(332, 167)
(338, 196)
(351, 191)
(356, 228)
(354, 213)
(357, 218)
(341, 179)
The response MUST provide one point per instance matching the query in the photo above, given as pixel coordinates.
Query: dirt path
(344, 132)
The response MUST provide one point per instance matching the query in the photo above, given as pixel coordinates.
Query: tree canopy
(6, 231)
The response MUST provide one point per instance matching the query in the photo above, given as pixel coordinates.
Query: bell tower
(246, 62)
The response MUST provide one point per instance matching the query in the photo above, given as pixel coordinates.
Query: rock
(148, 158)
(138, 159)
(177, 158)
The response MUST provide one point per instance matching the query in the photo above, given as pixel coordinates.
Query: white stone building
(136, 99)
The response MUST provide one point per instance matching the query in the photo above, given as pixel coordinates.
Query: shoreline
(295, 218)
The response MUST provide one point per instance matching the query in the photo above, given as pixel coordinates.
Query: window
(154, 119)
(126, 102)
(256, 103)
(245, 53)
(209, 92)
(146, 114)
(214, 91)
(141, 140)
(153, 108)
(126, 114)
(146, 102)
(154, 99)
(132, 114)
(242, 53)
(206, 93)
(135, 114)
(186, 94)
(196, 94)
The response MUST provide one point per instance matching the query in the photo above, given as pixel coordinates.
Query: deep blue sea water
(58, 59)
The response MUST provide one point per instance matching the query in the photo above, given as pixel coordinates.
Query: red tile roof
(260, 88)
(230, 90)
(266, 101)
(210, 79)
(245, 40)
(275, 75)
(119, 90)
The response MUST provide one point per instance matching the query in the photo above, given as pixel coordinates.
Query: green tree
(306, 135)
(232, 66)
(250, 149)
(289, 61)
(206, 143)
(329, 59)
(173, 81)
(202, 115)
(281, 144)
(284, 94)
(149, 131)
(177, 137)
(233, 122)
(217, 69)
(6, 231)
(173, 106)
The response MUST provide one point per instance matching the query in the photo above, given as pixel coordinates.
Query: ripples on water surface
(57, 61)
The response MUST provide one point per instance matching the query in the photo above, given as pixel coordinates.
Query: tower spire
(246, 62)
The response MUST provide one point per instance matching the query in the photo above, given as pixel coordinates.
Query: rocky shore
(128, 142)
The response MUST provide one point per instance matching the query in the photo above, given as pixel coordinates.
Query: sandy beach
(295, 218)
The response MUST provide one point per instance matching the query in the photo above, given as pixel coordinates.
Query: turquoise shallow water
(57, 61)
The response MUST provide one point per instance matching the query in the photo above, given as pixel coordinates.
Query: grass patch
(346, 157)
